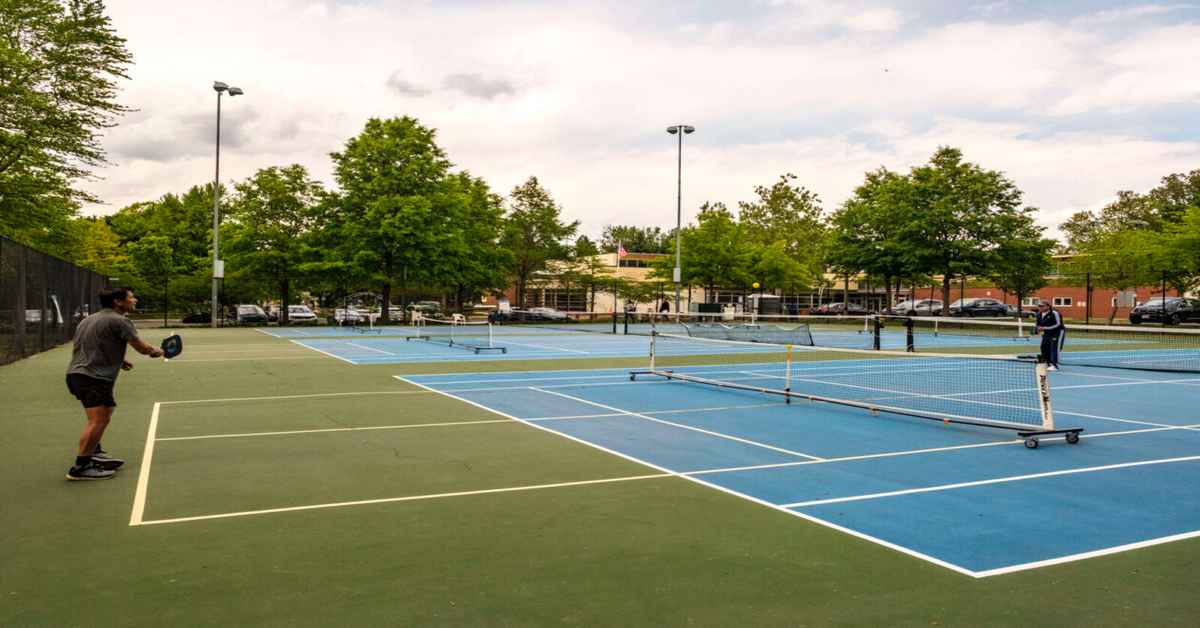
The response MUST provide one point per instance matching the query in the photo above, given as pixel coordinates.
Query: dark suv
(1177, 310)
(978, 307)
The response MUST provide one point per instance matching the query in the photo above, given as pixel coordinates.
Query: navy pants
(1051, 344)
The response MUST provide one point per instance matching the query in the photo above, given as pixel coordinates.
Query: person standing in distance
(97, 359)
(1054, 333)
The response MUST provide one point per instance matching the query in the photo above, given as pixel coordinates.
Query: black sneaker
(89, 471)
(105, 461)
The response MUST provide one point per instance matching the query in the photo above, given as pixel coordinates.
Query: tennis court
(532, 487)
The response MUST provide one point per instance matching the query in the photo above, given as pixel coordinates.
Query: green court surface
(268, 503)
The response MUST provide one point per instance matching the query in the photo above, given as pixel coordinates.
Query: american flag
(621, 252)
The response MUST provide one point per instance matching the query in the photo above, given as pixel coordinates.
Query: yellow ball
(754, 285)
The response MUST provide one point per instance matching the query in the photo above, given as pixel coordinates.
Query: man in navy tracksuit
(1050, 326)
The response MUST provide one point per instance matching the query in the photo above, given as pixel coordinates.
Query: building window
(1031, 301)
(633, 263)
(1063, 301)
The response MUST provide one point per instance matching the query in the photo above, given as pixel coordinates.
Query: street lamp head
(688, 130)
(237, 91)
(672, 130)
(218, 86)
(681, 127)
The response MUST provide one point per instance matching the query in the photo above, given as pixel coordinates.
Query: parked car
(978, 307)
(922, 307)
(428, 309)
(348, 316)
(840, 308)
(1174, 311)
(547, 314)
(250, 313)
(1015, 311)
(301, 315)
(196, 317)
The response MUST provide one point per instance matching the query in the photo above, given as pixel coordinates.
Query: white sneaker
(1052, 368)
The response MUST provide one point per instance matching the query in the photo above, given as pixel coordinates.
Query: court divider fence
(42, 300)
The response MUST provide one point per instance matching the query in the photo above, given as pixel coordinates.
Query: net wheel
(1073, 437)
(1031, 443)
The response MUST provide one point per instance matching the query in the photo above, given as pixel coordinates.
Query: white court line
(530, 344)
(143, 483)
(681, 426)
(309, 396)
(893, 454)
(828, 524)
(334, 429)
(1003, 480)
(188, 360)
(385, 500)
(324, 352)
(355, 344)
(1092, 554)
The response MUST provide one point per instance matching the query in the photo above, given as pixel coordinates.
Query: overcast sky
(1072, 100)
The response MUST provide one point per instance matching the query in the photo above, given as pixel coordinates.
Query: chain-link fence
(42, 299)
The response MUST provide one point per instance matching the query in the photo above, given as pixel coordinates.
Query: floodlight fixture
(237, 91)
(218, 86)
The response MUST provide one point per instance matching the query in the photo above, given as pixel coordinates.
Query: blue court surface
(971, 499)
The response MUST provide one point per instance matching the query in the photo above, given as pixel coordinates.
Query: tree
(476, 262)
(269, 216)
(389, 176)
(61, 63)
(865, 237)
(154, 264)
(787, 213)
(534, 233)
(956, 215)
(637, 239)
(715, 251)
(99, 247)
(584, 247)
(1022, 260)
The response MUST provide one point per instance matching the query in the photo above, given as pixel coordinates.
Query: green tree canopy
(534, 233)
(60, 65)
(391, 175)
(637, 239)
(269, 216)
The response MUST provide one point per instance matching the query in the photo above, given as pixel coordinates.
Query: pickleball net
(1007, 392)
(854, 332)
(1168, 349)
(473, 336)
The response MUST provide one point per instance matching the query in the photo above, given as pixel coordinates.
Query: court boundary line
(407, 498)
(336, 357)
(737, 439)
(990, 481)
(143, 481)
(331, 429)
(828, 524)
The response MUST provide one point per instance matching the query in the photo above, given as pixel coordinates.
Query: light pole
(218, 267)
(676, 130)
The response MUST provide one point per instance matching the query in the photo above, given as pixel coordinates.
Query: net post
(909, 340)
(614, 321)
(876, 332)
(653, 348)
(787, 377)
(491, 342)
(1043, 388)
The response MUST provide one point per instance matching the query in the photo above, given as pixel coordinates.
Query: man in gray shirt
(98, 358)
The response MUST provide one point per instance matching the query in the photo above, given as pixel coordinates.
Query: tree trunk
(166, 299)
(285, 297)
(387, 299)
(946, 279)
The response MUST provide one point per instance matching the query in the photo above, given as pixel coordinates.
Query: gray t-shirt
(100, 342)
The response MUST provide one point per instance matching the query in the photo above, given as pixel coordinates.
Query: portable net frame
(853, 332)
(1174, 350)
(775, 334)
(514, 321)
(1006, 392)
(477, 337)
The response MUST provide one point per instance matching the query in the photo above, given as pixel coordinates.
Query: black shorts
(91, 392)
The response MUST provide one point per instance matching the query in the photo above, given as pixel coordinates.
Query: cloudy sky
(1073, 100)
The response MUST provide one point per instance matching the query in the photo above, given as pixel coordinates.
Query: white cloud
(569, 95)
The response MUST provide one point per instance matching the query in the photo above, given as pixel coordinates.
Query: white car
(301, 315)
(347, 316)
